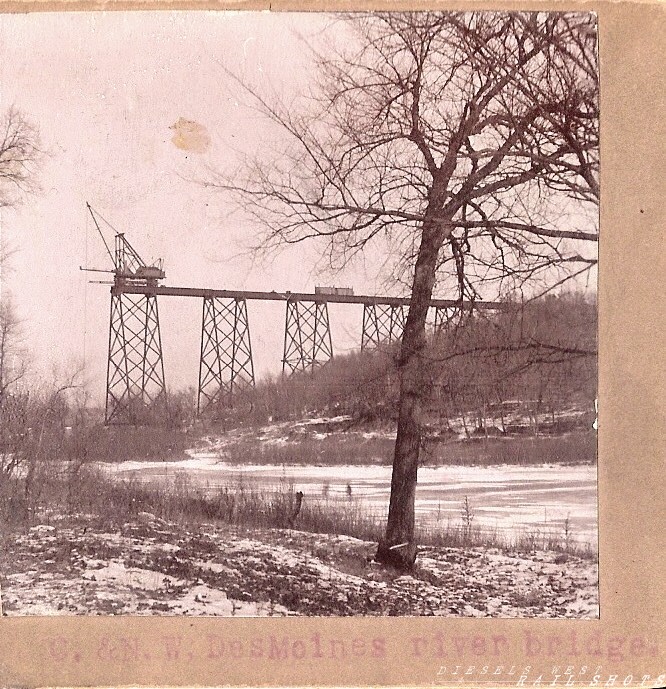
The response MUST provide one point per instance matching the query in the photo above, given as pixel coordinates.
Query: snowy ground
(147, 567)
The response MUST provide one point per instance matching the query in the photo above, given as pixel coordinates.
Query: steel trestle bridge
(135, 368)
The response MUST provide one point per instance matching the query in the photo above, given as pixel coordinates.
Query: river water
(513, 500)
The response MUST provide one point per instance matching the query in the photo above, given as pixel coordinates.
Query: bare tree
(465, 144)
(19, 157)
(13, 405)
(12, 356)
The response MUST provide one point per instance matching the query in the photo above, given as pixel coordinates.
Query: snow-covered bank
(148, 566)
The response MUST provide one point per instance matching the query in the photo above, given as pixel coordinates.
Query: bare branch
(19, 157)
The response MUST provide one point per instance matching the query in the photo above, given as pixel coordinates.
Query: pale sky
(104, 90)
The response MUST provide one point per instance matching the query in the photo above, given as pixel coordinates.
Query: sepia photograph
(298, 315)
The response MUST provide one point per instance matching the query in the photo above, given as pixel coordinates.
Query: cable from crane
(85, 291)
(94, 215)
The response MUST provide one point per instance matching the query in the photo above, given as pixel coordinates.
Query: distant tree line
(527, 360)
(533, 358)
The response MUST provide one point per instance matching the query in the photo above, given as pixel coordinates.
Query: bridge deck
(289, 296)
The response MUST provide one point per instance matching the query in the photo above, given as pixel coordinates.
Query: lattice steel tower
(307, 336)
(225, 365)
(382, 324)
(135, 388)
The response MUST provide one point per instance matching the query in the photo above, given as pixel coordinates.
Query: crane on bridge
(135, 386)
(129, 267)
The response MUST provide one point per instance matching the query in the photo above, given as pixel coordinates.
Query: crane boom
(99, 229)
(128, 266)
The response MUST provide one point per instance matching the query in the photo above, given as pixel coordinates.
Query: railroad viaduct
(135, 367)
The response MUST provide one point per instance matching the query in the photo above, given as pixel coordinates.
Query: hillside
(528, 370)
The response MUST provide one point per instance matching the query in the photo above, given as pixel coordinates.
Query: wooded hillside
(529, 362)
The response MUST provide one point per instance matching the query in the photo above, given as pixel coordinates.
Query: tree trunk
(398, 548)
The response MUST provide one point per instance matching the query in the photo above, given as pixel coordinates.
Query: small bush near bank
(98, 443)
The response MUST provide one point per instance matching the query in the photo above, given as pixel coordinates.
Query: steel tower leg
(307, 337)
(135, 368)
(225, 365)
(443, 315)
(382, 324)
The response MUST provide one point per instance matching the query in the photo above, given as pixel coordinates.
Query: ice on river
(513, 500)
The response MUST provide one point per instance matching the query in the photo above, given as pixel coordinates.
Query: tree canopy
(487, 121)
(468, 142)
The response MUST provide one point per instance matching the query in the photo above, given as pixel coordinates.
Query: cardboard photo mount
(625, 647)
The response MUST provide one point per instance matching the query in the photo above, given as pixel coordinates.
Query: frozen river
(510, 499)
